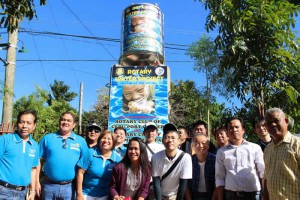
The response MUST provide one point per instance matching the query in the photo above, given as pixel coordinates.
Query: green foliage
(207, 61)
(48, 116)
(15, 11)
(2, 88)
(61, 92)
(188, 104)
(257, 39)
(100, 112)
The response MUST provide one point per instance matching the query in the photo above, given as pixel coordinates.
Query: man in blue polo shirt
(19, 159)
(61, 151)
(120, 137)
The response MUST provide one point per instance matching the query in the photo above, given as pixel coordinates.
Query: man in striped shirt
(282, 159)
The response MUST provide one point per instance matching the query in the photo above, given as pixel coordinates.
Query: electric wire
(81, 22)
(64, 45)
(41, 63)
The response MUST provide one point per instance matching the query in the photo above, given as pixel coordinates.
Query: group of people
(64, 165)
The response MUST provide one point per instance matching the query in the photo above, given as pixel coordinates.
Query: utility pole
(10, 67)
(80, 109)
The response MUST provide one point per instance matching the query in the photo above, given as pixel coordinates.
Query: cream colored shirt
(282, 168)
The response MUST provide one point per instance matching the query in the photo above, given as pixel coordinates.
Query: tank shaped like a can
(142, 36)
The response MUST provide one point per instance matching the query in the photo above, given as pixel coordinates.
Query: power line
(87, 60)
(64, 46)
(76, 16)
(98, 38)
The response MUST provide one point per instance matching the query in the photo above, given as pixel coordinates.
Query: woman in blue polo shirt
(94, 171)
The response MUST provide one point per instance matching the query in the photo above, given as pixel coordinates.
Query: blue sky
(184, 23)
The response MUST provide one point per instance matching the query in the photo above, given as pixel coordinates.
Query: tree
(13, 12)
(256, 39)
(187, 103)
(100, 112)
(48, 116)
(207, 60)
(61, 92)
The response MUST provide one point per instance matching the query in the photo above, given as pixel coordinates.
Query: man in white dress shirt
(239, 166)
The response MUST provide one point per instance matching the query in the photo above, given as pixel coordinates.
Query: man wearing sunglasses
(61, 151)
(92, 135)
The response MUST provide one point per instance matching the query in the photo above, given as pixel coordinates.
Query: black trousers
(233, 195)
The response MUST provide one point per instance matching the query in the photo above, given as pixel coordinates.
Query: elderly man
(239, 166)
(61, 151)
(19, 159)
(202, 185)
(171, 184)
(201, 127)
(282, 159)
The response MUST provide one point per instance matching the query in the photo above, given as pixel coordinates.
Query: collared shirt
(17, 158)
(61, 156)
(283, 168)
(98, 171)
(209, 173)
(121, 150)
(155, 147)
(161, 164)
(239, 168)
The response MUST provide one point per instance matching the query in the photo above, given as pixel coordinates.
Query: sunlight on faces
(222, 138)
(66, 124)
(182, 134)
(120, 136)
(171, 140)
(261, 129)
(201, 144)
(26, 125)
(235, 131)
(93, 134)
(200, 129)
(134, 151)
(151, 135)
(277, 125)
(106, 142)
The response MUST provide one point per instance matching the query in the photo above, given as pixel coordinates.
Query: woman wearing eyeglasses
(131, 177)
(92, 135)
(94, 170)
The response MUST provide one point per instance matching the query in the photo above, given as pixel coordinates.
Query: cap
(149, 124)
(94, 125)
(169, 127)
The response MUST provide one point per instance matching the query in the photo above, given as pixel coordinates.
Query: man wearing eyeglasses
(120, 137)
(19, 159)
(173, 185)
(61, 151)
